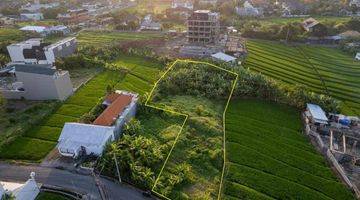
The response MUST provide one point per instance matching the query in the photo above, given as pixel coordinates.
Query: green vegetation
(322, 70)
(50, 196)
(9, 34)
(103, 38)
(194, 166)
(143, 148)
(269, 158)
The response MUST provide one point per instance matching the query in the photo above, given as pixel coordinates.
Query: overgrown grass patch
(24, 148)
(44, 133)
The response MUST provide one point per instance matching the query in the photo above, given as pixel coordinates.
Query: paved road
(67, 180)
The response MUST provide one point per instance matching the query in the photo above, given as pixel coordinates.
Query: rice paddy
(323, 70)
(269, 158)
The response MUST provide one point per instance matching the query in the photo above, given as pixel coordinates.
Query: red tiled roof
(112, 97)
(110, 114)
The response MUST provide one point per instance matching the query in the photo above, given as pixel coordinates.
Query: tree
(3, 118)
(320, 30)
(353, 24)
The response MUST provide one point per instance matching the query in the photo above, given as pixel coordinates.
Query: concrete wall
(12, 94)
(64, 86)
(45, 87)
(127, 114)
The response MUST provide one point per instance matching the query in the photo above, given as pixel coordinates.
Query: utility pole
(117, 168)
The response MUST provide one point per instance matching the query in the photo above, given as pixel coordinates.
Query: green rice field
(269, 158)
(39, 141)
(323, 70)
(107, 38)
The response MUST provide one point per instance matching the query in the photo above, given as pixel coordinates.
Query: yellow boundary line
(186, 118)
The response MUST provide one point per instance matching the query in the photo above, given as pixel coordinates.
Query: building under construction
(203, 27)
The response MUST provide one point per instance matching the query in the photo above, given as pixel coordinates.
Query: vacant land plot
(100, 38)
(323, 70)
(269, 158)
(194, 164)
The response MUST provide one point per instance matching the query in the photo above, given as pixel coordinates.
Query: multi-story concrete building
(34, 51)
(203, 27)
(37, 82)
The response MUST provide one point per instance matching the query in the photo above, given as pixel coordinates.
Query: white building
(182, 4)
(36, 82)
(354, 3)
(77, 138)
(149, 24)
(27, 191)
(61, 29)
(42, 30)
(212, 2)
(36, 52)
(85, 139)
(249, 10)
(31, 16)
(36, 6)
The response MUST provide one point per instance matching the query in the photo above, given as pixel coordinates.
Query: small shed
(316, 114)
(86, 138)
(224, 57)
(357, 56)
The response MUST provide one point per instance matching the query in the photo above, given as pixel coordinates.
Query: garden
(268, 157)
(322, 70)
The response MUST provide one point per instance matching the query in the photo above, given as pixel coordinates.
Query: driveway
(67, 180)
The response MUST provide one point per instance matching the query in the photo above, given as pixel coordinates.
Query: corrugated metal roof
(223, 57)
(317, 113)
(111, 113)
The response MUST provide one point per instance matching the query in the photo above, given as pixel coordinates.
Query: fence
(332, 160)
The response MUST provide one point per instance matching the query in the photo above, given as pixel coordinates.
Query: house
(60, 29)
(149, 24)
(84, 139)
(36, 6)
(206, 2)
(42, 30)
(35, 51)
(355, 3)
(182, 4)
(31, 16)
(36, 82)
(7, 21)
(223, 57)
(310, 24)
(26, 191)
(78, 139)
(76, 16)
(249, 10)
(357, 56)
(316, 114)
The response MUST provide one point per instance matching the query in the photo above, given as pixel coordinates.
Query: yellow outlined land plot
(186, 116)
